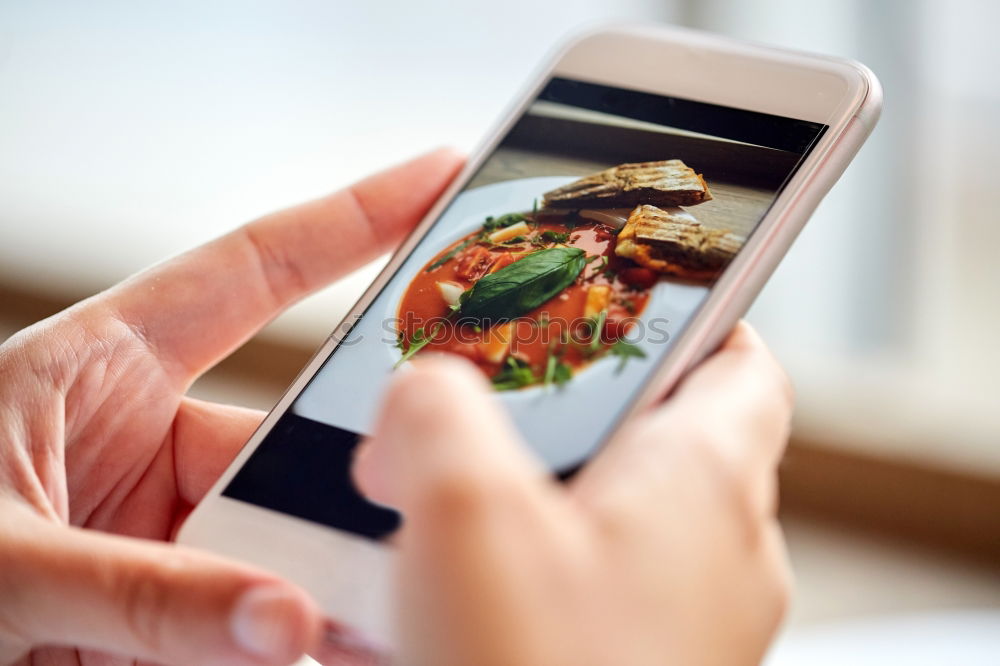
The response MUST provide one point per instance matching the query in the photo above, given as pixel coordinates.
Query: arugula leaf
(556, 371)
(625, 350)
(446, 257)
(514, 375)
(419, 340)
(554, 236)
(493, 223)
(549, 237)
(597, 331)
(521, 286)
(564, 373)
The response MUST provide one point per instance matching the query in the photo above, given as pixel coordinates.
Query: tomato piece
(474, 263)
(506, 259)
(469, 350)
(617, 325)
(637, 276)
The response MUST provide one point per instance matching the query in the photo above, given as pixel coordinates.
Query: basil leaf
(521, 286)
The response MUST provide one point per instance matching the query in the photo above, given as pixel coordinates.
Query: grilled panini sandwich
(666, 183)
(672, 241)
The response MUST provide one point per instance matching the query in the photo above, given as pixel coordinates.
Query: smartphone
(605, 238)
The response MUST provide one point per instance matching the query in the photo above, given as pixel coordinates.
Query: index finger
(196, 308)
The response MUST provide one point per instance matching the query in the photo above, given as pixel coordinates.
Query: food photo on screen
(534, 296)
(572, 258)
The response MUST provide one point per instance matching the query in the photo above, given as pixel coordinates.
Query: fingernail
(352, 640)
(347, 646)
(362, 468)
(263, 621)
(368, 471)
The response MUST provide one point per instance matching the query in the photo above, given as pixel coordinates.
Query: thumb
(67, 586)
(480, 515)
(440, 432)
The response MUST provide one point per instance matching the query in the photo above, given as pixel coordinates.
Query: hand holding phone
(102, 437)
(665, 548)
(102, 456)
(605, 239)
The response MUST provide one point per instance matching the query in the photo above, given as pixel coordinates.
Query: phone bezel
(841, 94)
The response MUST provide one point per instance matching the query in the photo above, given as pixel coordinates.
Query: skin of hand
(664, 549)
(102, 456)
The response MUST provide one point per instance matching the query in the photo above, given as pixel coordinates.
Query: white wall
(131, 130)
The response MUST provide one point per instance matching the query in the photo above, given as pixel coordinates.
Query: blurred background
(132, 130)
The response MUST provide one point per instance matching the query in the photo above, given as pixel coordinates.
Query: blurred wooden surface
(941, 509)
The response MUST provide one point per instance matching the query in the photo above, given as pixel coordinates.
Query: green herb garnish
(625, 350)
(556, 372)
(555, 236)
(419, 340)
(563, 374)
(597, 331)
(493, 223)
(515, 374)
(451, 253)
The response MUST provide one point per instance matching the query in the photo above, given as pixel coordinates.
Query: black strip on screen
(762, 129)
(303, 468)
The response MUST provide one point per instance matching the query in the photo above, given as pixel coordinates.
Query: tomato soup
(582, 321)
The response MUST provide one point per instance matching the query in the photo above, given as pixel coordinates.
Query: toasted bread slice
(672, 241)
(666, 183)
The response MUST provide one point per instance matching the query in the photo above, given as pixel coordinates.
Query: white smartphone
(604, 239)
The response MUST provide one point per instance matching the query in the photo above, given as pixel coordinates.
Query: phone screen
(566, 267)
